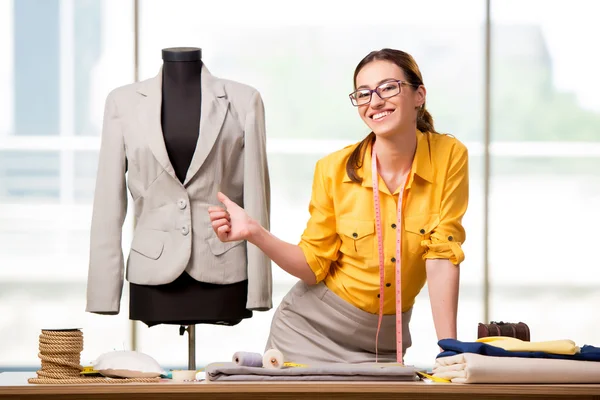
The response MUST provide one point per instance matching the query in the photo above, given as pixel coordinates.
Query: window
(63, 58)
(545, 167)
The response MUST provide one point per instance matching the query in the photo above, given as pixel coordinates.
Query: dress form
(185, 301)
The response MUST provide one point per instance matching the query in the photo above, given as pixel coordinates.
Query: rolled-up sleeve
(320, 241)
(446, 240)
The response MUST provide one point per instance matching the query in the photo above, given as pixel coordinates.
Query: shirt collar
(421, 165)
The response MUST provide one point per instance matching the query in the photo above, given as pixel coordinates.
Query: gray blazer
(173, 233)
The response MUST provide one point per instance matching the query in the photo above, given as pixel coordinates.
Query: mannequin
(185, 301)
(171, 143)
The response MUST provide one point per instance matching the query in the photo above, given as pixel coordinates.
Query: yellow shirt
(340, 240)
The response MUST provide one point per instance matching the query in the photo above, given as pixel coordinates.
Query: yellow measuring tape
(433, 378)
(291, 364)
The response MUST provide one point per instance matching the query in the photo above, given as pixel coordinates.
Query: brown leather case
(518, 330)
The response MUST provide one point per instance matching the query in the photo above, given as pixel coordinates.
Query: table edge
(306, 387)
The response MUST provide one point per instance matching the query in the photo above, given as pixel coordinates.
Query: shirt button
(181, 203)
(393, 259)
(394, 226)
(388, 284)
(422, 231)
(184, 230)
(450, 238)
(355, 234)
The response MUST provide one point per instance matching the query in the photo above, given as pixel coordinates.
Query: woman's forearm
(443, 282)
(288, 256)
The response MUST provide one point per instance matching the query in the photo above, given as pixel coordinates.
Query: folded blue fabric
(452, 347)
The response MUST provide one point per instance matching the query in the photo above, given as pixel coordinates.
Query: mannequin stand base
(191, 330)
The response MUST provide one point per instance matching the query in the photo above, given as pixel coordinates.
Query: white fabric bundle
(476, 368)
(127, 364)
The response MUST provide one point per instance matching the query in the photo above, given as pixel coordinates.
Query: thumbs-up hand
(231, 223)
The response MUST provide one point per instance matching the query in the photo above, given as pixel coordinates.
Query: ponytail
(355, 160)
(425, 120)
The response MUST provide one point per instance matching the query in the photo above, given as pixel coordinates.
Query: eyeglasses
(386, 90)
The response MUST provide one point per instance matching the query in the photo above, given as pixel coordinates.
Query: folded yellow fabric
(565, 346)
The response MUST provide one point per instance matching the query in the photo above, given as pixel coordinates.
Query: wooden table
(13, 385)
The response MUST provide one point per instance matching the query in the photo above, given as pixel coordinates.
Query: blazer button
(185, 230)
(181, 203)
(422, 231)
(394, 226)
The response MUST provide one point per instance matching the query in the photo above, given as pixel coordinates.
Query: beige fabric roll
(476, 368)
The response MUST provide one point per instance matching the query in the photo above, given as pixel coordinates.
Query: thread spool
(247, 359)
(273, 359)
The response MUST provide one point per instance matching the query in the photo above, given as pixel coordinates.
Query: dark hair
(413, 75)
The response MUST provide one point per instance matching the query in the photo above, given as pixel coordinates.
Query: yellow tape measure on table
(89, 370)
(291, 364)
(433, 378)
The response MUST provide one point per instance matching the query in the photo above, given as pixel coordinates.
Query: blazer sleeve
(257, 203)
(106, 264)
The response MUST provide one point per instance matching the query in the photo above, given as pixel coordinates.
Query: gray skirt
(314, 325)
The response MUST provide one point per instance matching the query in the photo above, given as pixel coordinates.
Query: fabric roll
(247, 359)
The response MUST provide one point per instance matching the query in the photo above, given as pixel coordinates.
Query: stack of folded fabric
(324, 372)
(501, 359)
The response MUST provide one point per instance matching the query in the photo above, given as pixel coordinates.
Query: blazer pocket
(217, 247)
(418, 229)
(148, 243)
(358, 237)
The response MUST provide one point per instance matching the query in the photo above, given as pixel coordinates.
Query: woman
(333, 313)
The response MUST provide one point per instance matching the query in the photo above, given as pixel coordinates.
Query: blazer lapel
(149, 111)
(214, 108)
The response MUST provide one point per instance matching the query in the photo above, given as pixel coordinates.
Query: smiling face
(390, 115)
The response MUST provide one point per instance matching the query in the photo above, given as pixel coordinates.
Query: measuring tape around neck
(398, 258)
